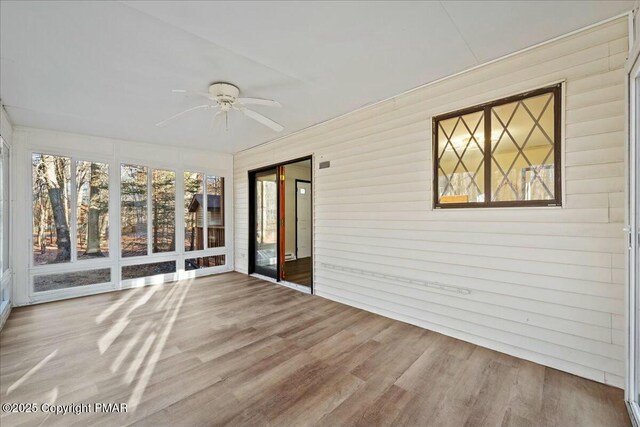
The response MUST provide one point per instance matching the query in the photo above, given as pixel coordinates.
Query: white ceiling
(107, 68)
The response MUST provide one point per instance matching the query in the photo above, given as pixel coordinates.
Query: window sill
(516, 208)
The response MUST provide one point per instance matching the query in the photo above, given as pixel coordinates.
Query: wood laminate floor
(298, 271)
(234, 350)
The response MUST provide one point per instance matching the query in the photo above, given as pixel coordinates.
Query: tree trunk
(155, 223)
(42, 220)
(93, 220)
(193, 237)
(172, 245)
(62, 228)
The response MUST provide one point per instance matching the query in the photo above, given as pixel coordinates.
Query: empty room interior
(371, 213)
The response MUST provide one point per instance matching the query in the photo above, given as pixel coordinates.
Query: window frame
(72, 226)
(148, 207)
(486, 107)
(6, 235)
(75, 160)
(152, 212)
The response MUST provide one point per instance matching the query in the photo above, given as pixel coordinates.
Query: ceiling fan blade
(191, 92)
(261, 119)
(259, 101)
(213, 119)
(175, 116)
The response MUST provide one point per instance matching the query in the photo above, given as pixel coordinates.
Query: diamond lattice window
(504, 153)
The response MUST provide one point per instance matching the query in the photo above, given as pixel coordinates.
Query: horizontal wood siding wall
(544, 284)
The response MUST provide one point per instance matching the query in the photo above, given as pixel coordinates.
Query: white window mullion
(227, 221)
(2, 211)
(73, 207)
(179, 222)
(149, 212)
(115, 232)
(205, 219)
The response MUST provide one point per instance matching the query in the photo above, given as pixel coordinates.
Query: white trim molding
(632, 288)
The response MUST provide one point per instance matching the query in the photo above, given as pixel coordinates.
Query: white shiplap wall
(544, 284)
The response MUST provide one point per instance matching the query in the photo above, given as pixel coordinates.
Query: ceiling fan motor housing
(224, 92)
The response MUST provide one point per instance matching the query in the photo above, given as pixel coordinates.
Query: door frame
(632, 226)
(252, 223)
(296, 208)
(280, 242)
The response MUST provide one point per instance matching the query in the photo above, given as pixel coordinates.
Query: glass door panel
(634, 222)
(266, 223)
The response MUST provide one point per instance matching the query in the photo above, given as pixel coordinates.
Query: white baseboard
(290, 285)
(5, 310)
(634, 413)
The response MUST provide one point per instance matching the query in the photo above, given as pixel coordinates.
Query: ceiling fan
(224, 97)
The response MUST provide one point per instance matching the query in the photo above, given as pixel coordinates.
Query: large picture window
(503, 153)
(51, 207)
(133, 210)
(70, 210)
(163, 183)
(215, 212)
(193, 191)
(92, 215)
(204, 211)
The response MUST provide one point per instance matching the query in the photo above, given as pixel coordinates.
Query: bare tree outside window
(192, 188)
(133, 204)
(51, 180)
(92, 183)
(163, 185)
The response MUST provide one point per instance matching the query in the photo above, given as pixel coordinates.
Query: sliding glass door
(280, 223)
(634, 250)
(265, 215)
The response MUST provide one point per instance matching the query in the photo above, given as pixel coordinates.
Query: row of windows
(56, 281)
(147, 210)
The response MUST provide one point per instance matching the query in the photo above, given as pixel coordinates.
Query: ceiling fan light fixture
(224, 91)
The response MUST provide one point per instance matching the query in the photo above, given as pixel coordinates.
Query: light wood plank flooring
(234, 350)
(298, 271)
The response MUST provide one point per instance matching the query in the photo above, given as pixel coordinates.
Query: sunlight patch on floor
(120, 325)
(138, 391)
(166, 298)
(114, 332)
(52, 401)
(127, 348)
(115, 306)
(31, 372)
(137, 362)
